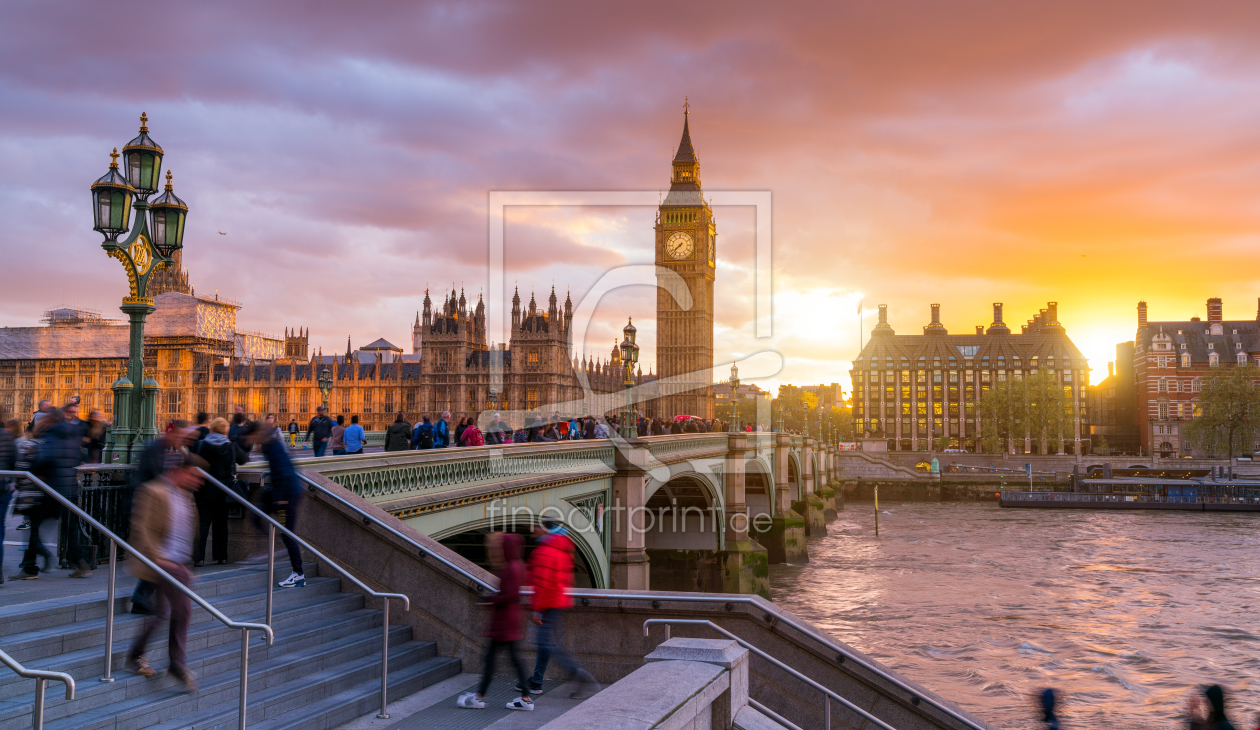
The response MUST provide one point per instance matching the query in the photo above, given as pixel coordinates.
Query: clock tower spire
(686, 244)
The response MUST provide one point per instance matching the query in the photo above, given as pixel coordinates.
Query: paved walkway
(434, 707)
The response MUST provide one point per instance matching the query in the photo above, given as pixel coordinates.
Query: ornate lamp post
(325, 386)
(629, 356)
(157, 235)
(734, 398)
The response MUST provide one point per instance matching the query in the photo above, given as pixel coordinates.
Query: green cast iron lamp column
(158, 234)
(629, 356)
(734, 402)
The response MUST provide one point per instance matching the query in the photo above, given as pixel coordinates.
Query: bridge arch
(684, 513)
(794, 476)
(469, 540)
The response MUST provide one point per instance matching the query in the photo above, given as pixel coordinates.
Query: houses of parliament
(204, 363)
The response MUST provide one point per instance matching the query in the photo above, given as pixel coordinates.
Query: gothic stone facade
(686, 245)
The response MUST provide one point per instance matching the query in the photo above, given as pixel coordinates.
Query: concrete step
(24, 617)
(334, 709)
(140, 702)
(316, 619)
(57, 639)
(274, 693)
(750, 719)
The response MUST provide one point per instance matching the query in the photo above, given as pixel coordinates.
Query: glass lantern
(142, 160)
(166, 221)
(111, 201)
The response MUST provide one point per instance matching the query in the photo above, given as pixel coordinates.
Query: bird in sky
(221, 233)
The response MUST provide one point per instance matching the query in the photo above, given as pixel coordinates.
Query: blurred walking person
(222, 457)
(1049, 699)
(97, 429)
(8, 460)
(551, 575)
(319, 431)
(1216, 719)
(56, 458)
(506, 626)
(163, 528)
(285, 497)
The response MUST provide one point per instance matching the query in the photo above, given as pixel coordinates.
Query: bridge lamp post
(629, 356)
(325, 386)
(734, 399)
(158, 234)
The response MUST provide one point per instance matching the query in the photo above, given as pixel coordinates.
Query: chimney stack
(882, 328)
(998, 325)
(1141, 314)
(935, 325)
(1052, 312)
(979, 329)
(1214, 309)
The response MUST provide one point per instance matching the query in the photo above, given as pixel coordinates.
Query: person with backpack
(551, 575)
(221, 457)
(506, 626)
(442, 431)
(397, 436)
(472, 435)
(422, 438)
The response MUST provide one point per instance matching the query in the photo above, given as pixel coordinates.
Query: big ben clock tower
(686, 243)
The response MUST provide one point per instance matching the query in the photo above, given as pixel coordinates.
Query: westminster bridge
(698, 512)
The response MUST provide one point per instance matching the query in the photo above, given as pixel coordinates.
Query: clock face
(679, 245)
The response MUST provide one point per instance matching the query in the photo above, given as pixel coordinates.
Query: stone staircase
(322, 671)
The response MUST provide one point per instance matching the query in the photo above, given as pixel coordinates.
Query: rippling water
(1125, 613)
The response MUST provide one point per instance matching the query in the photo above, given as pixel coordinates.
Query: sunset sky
(1088, 153)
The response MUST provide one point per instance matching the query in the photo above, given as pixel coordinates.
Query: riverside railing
(117, 542)
(41, 677)
(272, 526)
(827, 694)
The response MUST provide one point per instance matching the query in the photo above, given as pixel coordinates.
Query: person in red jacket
(551, 575)
(507, 625)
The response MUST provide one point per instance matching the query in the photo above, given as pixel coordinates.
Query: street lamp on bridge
(734, 398)
(629, 356)
(158, 234)
(325, 385)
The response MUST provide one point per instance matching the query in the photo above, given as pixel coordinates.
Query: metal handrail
(481, 584)
(828, 695)
(773, 715)
(677, 597)
(40, 676)
(271, 561)
(115, 542)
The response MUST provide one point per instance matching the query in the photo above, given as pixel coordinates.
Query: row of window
(1214, 360)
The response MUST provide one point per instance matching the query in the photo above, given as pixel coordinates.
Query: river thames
(1124, 612)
